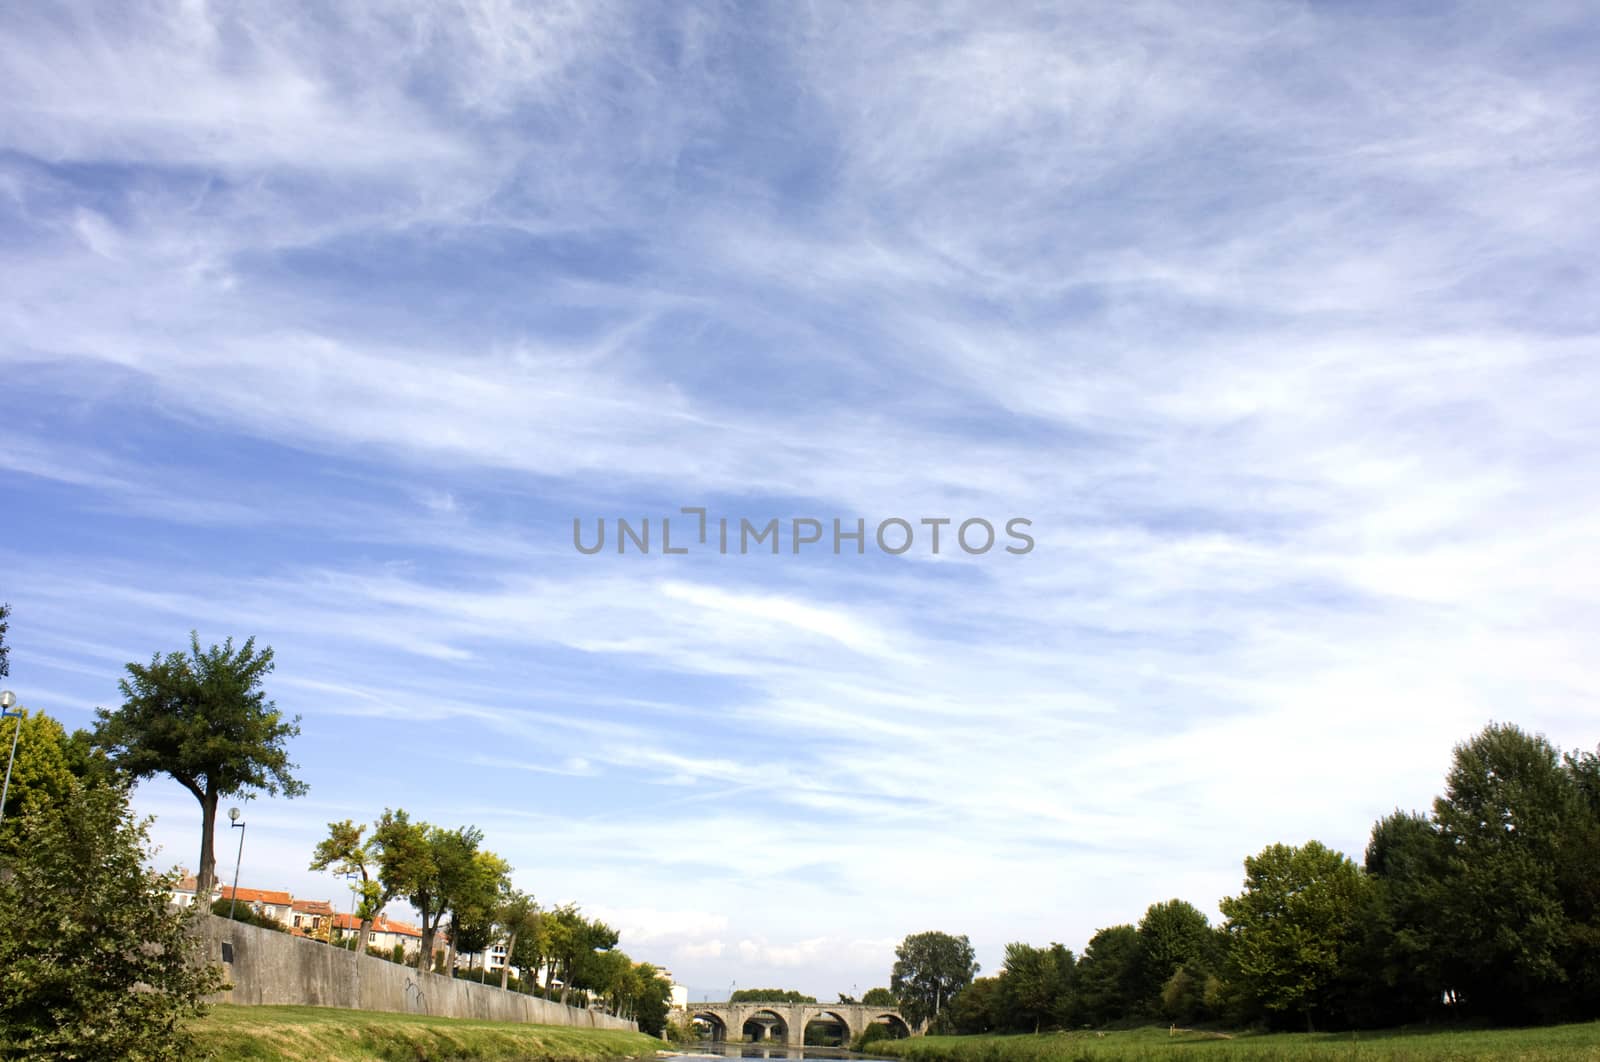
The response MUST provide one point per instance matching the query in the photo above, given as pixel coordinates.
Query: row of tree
(202, 718)
(449, 877)
(1489, 908)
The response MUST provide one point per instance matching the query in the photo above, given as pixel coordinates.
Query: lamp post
(352, 878)
(7, 699)
(234, 823)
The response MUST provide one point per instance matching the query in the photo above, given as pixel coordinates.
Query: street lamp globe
(7, 698)
(233, 814)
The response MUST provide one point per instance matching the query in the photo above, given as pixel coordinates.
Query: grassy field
(323, 1034)
(1561, 1043)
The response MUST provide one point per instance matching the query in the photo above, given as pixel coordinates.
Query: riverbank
(327, 1034)
(1558, 1043)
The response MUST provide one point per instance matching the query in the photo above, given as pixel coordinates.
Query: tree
(770, 995)
(1506, 819)
(474, 897)
(204, 720)
(42, 773)
(1392, 974)
(652, 997)
(345, 852)
(1290, 927)
(1035, 985)
(1172, 935)
(531, 951)
(517, 916)
(929, 969)
(880, 997)
(588, 962)
(5, 650)
(94, 962)
(979, 1008)
(427, 865)
(1107, 975)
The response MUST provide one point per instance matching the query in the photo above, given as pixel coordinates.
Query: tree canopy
(204, 719)
(770, 995)
(94, 960)
(929, 969)
(1291, 924)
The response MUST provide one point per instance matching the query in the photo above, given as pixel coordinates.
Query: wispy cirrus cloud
(1277, 320)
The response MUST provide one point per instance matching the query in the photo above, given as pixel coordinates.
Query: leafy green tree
(770, 995)
(42, 772)
(930, 969)
(1290, 927)
(95, 963)
(531, 951)
(344, 851)
(1391, 974)
(880, 997)
(589, 963)
(1173, 936)
(565, 930)
(428, 865)
(1107, 976)
(1036, 985)
(1506, 816)
(474, 898)
(651, 1001)
(203, 719)
(517, 916)
(979, 1008)
(1579, 878)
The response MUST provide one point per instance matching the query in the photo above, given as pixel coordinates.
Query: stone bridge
(787, 1021)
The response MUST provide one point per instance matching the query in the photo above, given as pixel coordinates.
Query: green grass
(1560, 1043)
(326, 1034)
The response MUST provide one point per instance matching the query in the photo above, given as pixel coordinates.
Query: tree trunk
(206, 877)
(505, 967)
(363, 936)
(425, 957)
(450, 955)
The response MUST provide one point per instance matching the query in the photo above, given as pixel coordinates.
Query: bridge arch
(716, 1024)
(833, 1016)
(899, 1028)
(766, 1023)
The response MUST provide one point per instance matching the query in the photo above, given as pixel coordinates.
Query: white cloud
(1276, 323)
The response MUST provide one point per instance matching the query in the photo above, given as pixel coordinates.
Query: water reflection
(721, 1049)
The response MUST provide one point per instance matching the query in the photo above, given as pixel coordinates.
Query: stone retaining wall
(265, 967)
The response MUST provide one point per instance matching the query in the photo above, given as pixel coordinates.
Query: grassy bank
(1561, 1043)
(324, 1034)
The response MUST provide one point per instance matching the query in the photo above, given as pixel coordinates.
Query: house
(183, 892)
(494, 960)
(267, 903)
(386, 933)
(311, 918)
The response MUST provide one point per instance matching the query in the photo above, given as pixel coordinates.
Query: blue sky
(1276, 319)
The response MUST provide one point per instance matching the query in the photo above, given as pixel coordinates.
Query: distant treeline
(770, 995)
(1487, 908)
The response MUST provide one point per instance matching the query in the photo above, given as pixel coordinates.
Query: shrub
(95, 961)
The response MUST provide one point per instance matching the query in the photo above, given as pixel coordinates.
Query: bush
(871, 1035)
(243, 913)
(95, 962)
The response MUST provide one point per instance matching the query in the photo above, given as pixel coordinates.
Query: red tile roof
(313, 907)
(382, 924)
(282, 899)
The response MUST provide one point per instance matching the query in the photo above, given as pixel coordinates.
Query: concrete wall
(276, 968)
